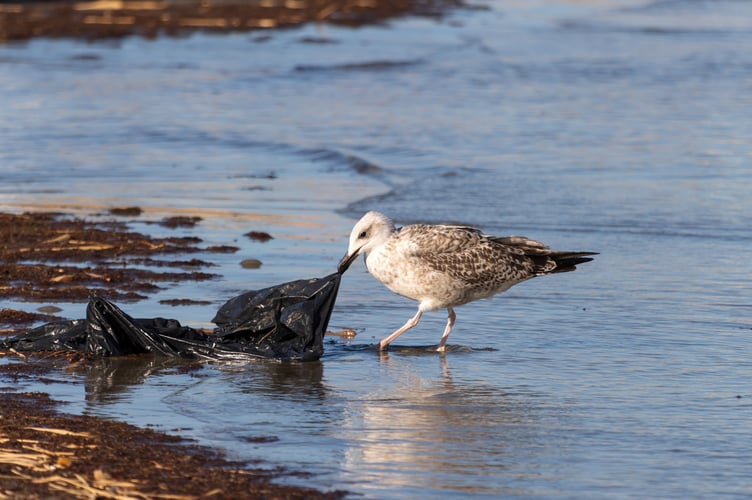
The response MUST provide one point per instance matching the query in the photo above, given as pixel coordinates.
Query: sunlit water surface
(620, 127)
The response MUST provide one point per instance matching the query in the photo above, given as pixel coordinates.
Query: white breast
(410, 277)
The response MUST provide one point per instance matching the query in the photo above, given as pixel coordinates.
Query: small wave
(86, 56)
(646, 29)
(355, 163)
(671, 17)
(378, 65)
(318, 40)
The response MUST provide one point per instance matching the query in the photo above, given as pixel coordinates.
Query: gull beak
(345, 262)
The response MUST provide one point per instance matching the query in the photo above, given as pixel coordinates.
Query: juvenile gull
(443, 266)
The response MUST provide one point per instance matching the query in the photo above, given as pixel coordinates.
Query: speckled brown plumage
(444, 266)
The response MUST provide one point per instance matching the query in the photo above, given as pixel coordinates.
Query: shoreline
(44, 451)
(111, 19)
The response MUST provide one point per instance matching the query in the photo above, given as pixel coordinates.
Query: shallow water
(617, 127)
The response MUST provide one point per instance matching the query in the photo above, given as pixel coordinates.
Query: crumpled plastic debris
(284, 322)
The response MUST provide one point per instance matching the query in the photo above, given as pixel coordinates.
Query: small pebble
(49, 309)
(259, 236)
(250, 264)
(126, 211)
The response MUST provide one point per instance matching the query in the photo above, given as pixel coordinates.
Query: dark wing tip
(568, 261)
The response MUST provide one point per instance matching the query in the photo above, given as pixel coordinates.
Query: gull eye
(362, 235)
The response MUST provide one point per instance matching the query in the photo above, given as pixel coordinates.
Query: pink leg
(449, 325)
(410, 323)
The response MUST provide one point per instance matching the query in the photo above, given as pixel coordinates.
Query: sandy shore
(48, 454)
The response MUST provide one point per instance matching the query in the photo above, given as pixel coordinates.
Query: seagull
(445, 266)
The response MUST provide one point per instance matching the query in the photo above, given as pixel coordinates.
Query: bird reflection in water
(437, 432)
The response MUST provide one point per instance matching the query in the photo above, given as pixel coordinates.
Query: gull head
(371, 231)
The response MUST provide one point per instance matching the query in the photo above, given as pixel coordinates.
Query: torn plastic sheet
(285, 322)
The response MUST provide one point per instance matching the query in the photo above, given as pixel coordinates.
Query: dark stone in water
(126, 211)
(184, 302)
(259, 236)
(180, 221)
(250, 264)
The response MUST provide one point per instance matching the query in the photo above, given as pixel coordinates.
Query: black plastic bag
(285, 322)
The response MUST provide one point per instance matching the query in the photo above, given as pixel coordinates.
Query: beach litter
(286, 322)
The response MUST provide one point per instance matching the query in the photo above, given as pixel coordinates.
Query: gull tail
(568, 261)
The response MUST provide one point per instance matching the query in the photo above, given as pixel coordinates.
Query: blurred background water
(621, 127)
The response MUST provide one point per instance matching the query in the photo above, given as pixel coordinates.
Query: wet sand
(48, 454)
(52, 256)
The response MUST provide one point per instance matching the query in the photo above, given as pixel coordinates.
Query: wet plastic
(284, 322)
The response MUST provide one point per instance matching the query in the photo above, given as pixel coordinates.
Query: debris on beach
(285, 322)
(57, 257)
(23, 19)
(48, 454)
